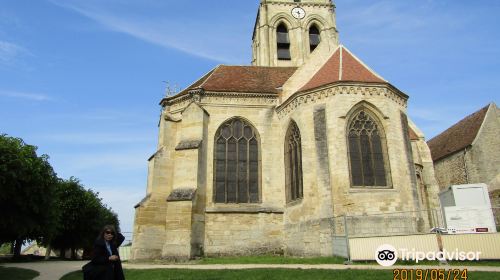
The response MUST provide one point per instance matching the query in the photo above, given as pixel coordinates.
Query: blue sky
(82, 79)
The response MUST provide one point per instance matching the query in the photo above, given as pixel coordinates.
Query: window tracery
(293, 163)
(366, 152)
(236, 163)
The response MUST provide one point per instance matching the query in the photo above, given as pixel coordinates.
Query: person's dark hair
(108, 228)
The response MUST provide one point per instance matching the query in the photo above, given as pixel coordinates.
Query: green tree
(82, 215)
(26, 192)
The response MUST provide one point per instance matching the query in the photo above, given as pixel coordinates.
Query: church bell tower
(286, 32)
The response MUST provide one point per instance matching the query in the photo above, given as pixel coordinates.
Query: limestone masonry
(260, 159)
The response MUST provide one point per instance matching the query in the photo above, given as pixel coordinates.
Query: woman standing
(105, 263)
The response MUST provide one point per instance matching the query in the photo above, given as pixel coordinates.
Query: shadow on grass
(13, 273)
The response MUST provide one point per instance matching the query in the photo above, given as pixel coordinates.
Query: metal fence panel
(364, 248)
(486, 243)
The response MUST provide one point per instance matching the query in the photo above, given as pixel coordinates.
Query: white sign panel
(469, 219)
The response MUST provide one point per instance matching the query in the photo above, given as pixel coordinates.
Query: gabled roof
(342, 66)
(458, 136)
(246, 79)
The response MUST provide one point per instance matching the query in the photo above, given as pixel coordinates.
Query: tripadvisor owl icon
(386, 255)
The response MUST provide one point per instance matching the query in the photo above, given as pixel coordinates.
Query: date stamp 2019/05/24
(429, 274)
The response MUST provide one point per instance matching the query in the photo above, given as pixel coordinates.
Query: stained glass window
(366, 152)
(236, 163)
(293, 163)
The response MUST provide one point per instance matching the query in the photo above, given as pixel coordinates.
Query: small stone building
(260, 159)
(468, 152)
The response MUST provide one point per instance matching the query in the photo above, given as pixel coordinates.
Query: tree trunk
(17, 247)
(62, 254)
(48, 251)
(12, 244)
(73, 253)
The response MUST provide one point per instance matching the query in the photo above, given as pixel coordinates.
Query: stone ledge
(244, 210)
(185, 194)
(372, 190)
(188, 145)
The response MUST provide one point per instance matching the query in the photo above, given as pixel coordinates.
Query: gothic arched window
(236, 163)
(283, 42)
(293, 163)
(367, 152)
(314, 37)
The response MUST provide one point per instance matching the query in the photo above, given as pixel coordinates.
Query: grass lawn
(426, 262)
(12, 273)
(268, 274)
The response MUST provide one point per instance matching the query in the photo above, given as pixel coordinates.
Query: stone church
(259, 159)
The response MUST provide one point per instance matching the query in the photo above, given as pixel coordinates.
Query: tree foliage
(36, 205)
(82, 215)
(26, 191)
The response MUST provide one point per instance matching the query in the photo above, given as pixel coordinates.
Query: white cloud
(96, 138)
(110, 162)
(388, 14)
(195, 38)
(25, 95)
(10, 51)
(122, 201)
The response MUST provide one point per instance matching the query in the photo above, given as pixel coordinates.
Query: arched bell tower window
(283, 42)
(367, 157)
(236, 163)
(314, 37)
(293, 163)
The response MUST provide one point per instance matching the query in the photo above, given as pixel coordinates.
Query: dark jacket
(100, 267)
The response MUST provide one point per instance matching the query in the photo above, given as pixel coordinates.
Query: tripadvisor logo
(387, 255)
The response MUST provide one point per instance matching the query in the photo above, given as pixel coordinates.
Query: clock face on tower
(298, 13)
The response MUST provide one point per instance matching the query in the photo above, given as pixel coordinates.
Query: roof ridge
(362, 63)
(209, 74)
(458, 136)
(341, 66)
(319, 68)
(460, 121)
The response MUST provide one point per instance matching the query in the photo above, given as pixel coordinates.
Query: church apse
(263, 159)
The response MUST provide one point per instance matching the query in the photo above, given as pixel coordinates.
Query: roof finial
(170, 91)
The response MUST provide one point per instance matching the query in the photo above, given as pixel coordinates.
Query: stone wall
(301, 227)
(243, 234)
(272, 13)
(477, 163)
(483, 158)
(149, 228)
(307, 231)
(309, 238)
(451, 170)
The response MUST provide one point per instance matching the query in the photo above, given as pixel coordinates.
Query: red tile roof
(342, 66)
(457, 137)
(251, 79)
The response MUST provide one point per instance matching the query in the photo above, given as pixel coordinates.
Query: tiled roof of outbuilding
(342, 66)
(457, 137)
